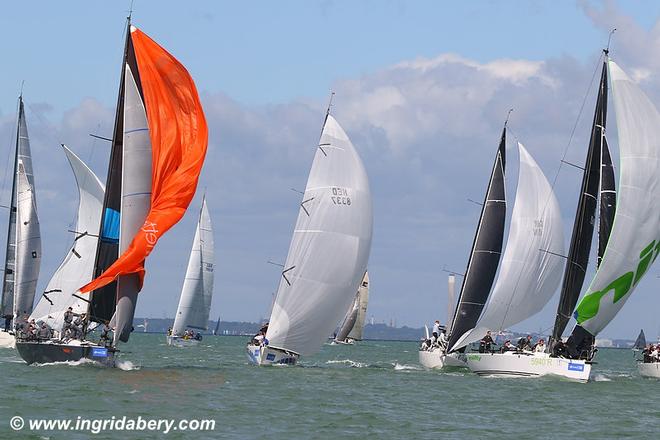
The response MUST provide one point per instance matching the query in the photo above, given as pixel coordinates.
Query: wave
(126, 365)
(404, 367)
(601, 378)
(350, 363)
(83, 361)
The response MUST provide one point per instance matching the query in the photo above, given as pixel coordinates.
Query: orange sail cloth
(179, 138)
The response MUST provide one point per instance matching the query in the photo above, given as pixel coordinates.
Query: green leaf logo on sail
(588, 307)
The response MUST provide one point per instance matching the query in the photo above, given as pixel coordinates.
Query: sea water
(373, 389)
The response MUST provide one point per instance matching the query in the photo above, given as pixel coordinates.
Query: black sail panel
(607, 200)
(486, 251)
(583, 228)
(103, 300)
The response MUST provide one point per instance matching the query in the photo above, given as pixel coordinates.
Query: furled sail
(159, 145)
(197, 291)
(362, 303)
(585, 217)
(329, 249)
(78, 265)
(486, 251)
(532, 261)
(22, 153)
(28, 246)
(634, 242)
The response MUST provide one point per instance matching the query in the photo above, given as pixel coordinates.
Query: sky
(422, 88)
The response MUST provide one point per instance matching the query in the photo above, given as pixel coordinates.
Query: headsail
(22, 153)
(28, 246)
(585, 217)
(607, 200)
(634, 242)
(486, 251)
(197, 291)
(451, 297)
(329, 249)
(532, 261)
(78, 265)
(157, 162)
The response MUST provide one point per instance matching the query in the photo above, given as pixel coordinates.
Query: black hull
(43, 353)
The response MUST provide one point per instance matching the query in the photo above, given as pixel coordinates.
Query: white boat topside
(527, 364)
(438, 359)
(649, 369)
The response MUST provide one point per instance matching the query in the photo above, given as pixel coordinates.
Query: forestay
(197, 291)
(329, 249)
(532, 262)
(78, 265)
(635, 238)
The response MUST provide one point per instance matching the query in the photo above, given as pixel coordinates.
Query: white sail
(78, 265)
(135, 197)
(451, 298)
(532, 263)
(634, 242)
(362, 303)
(329, 249)
(197, 291)
(28, 246)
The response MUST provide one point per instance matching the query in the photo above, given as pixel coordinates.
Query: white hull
(178, 341)
(267, 355)
(7, 340)
(438, 359)
(344, 342)
(649, 369)
(514, 364)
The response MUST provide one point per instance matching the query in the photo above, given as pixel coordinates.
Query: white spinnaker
(135, 197)
(363, 302)
(197, 291)
(28, 245)
(329, 249)
(78, 265)
(532, 263)
(634, 242)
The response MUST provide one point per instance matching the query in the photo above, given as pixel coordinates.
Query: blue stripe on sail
(110, 231)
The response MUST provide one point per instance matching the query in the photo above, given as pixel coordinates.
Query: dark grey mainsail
(22, 153)
(607, 200)
(640, 342)
(585, 217)
(486, 251)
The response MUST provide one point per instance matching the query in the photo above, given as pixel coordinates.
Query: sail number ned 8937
(340, 196)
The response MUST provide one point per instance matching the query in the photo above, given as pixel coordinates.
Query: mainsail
(158, 148)
(486, 251)
(362, 303)
(634, 242)
(197, 291)
(22, 153)
(329, 249)
(532, 262)
(28, 246)
(583, 228)
(640, 342)
(78, 265)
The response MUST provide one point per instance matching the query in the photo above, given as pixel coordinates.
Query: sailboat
(217, 327)
(353, 324)
(197, 291)
(23, 250)
(158, 148)
(647, 365)
(529, 274)
(327, 256)
(481, 269)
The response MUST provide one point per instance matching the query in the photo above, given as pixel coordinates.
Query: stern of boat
(647, 369)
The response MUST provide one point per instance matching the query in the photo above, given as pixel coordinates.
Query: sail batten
(486, 251)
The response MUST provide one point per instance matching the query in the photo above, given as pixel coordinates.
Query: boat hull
(344, 342)
(178, 341)
(48, 352)
(649, 369)
(527, 365)
(438, 359)
(267, 355)
(7, 340)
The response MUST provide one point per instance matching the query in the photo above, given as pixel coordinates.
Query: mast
(583, 228)
(486, 251)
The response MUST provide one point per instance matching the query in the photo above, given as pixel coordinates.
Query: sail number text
(340, 196)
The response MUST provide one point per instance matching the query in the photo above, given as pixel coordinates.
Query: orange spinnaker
(179, 138)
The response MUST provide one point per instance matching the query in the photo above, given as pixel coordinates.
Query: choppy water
(375, 389)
